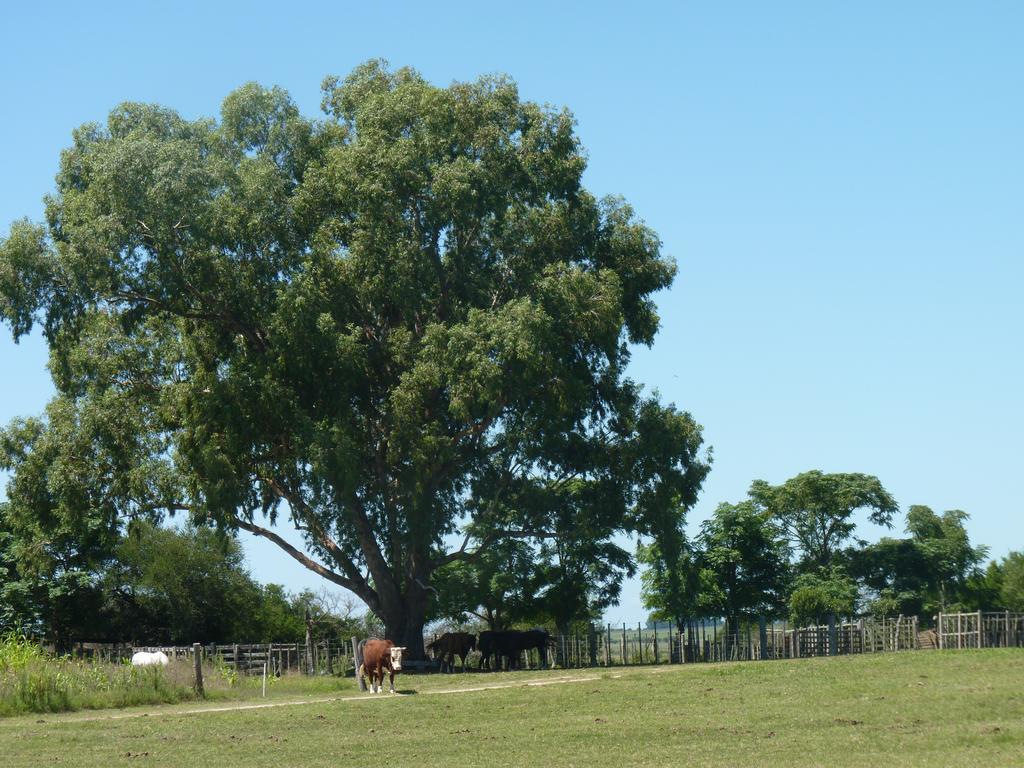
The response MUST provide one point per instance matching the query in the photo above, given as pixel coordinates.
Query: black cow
(510, 644)
(452, 644)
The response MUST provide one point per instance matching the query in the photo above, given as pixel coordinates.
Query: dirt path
(171, 710)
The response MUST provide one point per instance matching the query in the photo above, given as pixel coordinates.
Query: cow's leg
(391, 673)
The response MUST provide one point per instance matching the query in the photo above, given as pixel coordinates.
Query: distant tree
(279, 616)
(815, 510)
(578, 579)
(949, 559)
(933, 569)
(670, 581)
(403, 321)
(815, 596)
(495, 587)
(1013, 581)
(743, 562)
(984, 589)
(894, 573)
(183, 586)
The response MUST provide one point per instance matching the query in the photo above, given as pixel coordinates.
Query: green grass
(909, 709)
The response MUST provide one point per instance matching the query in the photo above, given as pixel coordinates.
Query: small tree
(743, 563)
(816, 596)
(670, 582)
(183, 586)
(496, 587)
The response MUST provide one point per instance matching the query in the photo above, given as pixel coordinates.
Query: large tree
(403, 329)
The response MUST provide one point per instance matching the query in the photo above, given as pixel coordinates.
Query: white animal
(147, 659)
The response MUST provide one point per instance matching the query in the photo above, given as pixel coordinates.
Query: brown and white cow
(380, 655)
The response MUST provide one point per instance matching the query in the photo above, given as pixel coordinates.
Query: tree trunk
(403, 625)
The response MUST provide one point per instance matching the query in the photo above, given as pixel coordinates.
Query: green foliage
(50, 580)
(815, 510)
(816, 596)
(183, 586)
(1012, 591)
(743, 562)
(935, 569)
(160, 586)
(670, 580)
(948, 556)
(403, 320)
(496, 586)
(984, 589)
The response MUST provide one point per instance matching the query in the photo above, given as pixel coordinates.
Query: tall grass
(32, 681)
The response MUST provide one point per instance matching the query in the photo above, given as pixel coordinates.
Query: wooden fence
(981, 629)
(323, 657)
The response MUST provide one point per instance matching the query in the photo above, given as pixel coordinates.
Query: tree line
(791, 551)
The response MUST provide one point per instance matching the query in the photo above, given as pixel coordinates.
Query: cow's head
(396, 657)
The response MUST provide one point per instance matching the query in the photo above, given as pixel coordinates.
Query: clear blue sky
(842, 185)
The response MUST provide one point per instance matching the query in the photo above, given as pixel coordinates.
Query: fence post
(357, 659)
(592, 644)
(762, 636)
(980, 627)
(197, 666)
(608, 648)
(657, 656)
(833, 635)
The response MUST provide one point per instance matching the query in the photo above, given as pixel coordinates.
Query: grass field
(905, 709)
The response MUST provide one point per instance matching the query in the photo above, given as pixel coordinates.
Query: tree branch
(312, 526)
(364, 592)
